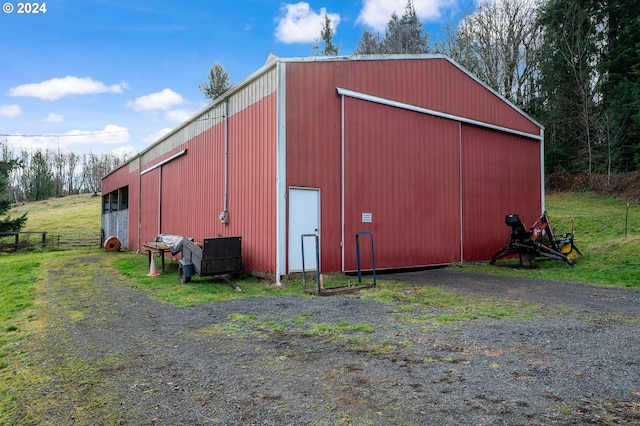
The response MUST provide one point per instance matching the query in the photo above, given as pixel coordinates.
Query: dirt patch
(339, 360)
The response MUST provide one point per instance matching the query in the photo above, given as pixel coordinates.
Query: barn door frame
(304, 218)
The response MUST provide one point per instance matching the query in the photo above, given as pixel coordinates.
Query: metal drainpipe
(224, 217)
(139, 205)
(160, 200)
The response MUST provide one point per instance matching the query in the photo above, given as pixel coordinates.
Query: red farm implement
(529, 243)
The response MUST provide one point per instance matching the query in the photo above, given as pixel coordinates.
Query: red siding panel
(149, 205)
(433, 83)
(193, 190)
(115, 180)
(501, 175)
(252, 189)
(403, 168)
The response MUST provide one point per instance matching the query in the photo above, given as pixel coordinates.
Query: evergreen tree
(620, 69)
(40, 184)
(369, 44)
(404, 34)
(217, 83)
(567, 85)
(8, 224)
(326, 36)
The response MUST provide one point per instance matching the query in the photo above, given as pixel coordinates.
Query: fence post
(317, 259)
(373, 257)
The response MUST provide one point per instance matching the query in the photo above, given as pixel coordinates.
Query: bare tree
(498, 43)
(58, 160)
(72, 163)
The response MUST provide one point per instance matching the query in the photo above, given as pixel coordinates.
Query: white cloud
(377, 13)
(10, 110)
(124, 151)
(110, 135)
(54, 118)
(299, 24)
(178, 115)
(153, 137)
(57, 88)
(162, 100)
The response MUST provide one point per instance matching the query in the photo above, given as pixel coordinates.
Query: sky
(113, 76)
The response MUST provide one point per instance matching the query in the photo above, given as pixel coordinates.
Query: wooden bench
(159, 248)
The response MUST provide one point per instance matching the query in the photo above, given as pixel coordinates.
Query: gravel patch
(348, 360)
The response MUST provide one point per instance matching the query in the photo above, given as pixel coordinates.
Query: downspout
(342, 180)
(224, 216)
(542, 168)
(461, 190)
(160, 200)
(139, 206)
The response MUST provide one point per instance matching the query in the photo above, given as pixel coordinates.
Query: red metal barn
(411, 148)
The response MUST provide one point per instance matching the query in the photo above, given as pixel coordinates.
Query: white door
(304, 219)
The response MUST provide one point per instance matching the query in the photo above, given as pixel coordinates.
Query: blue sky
(110, 75)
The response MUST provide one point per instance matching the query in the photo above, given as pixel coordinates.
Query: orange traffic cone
(153, 272)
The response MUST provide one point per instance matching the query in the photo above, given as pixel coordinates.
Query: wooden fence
(14, 241)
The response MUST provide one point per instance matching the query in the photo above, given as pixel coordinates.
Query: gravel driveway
(344, 359)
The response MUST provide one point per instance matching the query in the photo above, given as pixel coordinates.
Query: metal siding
(149, 205)
(403, 168)
(313, 149)
(501, 175)
(252, 92)
(193, 185)
(433, 83)
(252, 183)
(115, 180)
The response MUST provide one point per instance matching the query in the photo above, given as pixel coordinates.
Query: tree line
(41, 174)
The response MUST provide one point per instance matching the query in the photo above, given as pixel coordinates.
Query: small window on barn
(105, 203)
(124, 197)
(113, 199)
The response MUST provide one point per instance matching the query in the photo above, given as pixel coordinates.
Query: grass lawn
(609, 258)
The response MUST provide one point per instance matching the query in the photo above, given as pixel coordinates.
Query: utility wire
(62, 135)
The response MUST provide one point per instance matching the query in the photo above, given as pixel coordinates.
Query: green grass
(71, 214)
(167, 287)
(609, 258)
(18, 275)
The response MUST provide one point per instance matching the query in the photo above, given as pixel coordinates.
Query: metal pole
(317, 263)
(373, 261)
(358, 257)
(373, 258)
(626, 221)
(317, 259)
